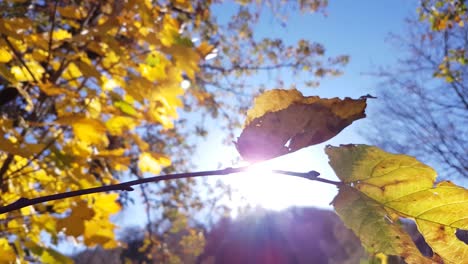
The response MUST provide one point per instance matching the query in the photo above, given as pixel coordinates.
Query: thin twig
(311, 175)
(51, 33)
(127, 186)
(18, 56)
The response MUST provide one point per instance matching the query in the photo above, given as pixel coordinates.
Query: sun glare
(260, 186)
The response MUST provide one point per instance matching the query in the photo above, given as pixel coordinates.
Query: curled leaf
(284, 121)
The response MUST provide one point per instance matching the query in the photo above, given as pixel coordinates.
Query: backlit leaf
(284, 121)
(5, 55)
(61, 34)
(7, 253)
(152, 162)
(371, 223)
(118, 124)
(89, 131)
(401, 185)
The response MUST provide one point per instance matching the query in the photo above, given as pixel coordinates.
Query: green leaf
(126, 108)
(378, 174)
(400, 186)
(280, 117)
(374, 227)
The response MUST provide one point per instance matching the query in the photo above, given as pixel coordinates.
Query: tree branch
(18, 56)
(51, 32)
(127, 186)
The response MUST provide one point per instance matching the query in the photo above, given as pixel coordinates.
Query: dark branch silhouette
(127, 186)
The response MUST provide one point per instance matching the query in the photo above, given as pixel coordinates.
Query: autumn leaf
(8, 253)
(376, 230)
(400, 186)
(118, 124)
(152, 162)
(97, 231)
(284, 121)
(87, 130)
(5, 55)
(74, 223)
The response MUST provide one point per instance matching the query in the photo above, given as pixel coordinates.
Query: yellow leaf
(79, 149)
(5, 55)
(384, 182)
(109, 84)
(154, 72)
(120, 163)
(183, 4)
(205, 48)
(111, 153)
(106, 204)
(100, 233)
(7, 253)
(61, 34)
(94, 107)
(20, 74)
(186, 59)
(169, 32)
(152, 162)
(72, 72)
(87, 130)
(23, 75)
(118, 124)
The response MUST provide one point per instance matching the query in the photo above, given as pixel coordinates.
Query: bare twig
(51, 32)
(127, 186)
(18, 56)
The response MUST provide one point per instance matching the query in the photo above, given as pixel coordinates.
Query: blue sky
(356, 28)
(359, 29)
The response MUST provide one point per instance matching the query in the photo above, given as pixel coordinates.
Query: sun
(260, 187)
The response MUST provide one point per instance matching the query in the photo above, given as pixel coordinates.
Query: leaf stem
(127, 186)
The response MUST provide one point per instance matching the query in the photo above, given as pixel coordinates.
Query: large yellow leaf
(284, 121)
(87, 130)
(97, 229)
(106, 204)
(7, 253)
(401, 185)
(100, 233)
(152, 162)
(5, 55)
(23, 75)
